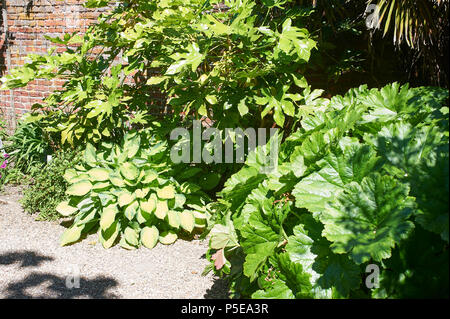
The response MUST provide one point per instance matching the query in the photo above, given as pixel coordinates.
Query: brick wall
(27, 22)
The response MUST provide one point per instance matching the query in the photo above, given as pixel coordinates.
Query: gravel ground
(33, 265)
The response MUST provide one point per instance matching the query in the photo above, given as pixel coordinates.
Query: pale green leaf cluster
(128, 194)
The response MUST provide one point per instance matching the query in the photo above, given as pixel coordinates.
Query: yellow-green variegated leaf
(200, 219)
(141, 193)
(116, 181)
(108, 236)
(168, 237)
(161, 209)
(142, 217)
(173, 217)
(124, 244)
(180, 199)
(131, 236)
(101, 185)
(131, 210)
(149, 236)
(187, 221)
(70, 174)
(148, 206)
(129, 171)
(108, 216)
(89, 154)
(150, 176)
(80, 188)
(79, 178)
(132, 146)
(98, 174)
(65, 209)
(125, 198)
(71, 235)
(167, 192)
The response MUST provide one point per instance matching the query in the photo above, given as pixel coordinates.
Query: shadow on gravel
(52, 286)
(47, 285)
(25, 258)
(219, 290)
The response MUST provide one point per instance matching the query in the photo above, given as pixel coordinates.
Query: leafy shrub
(364, 181)
(241, 67)
(128, 192)
(28, 146)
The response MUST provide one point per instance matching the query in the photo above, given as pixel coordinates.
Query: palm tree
(417, 22)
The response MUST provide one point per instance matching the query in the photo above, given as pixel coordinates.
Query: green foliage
(128, 192)
(3, 132)
(359, 183)
(240, 67)
(47, 187)
(28, 146)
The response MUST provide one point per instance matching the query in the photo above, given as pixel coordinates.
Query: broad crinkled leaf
(259, 244)
(327, 269)
(338, 168)
(367, 220)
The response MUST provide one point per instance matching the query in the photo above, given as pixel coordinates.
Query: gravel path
(33, 265)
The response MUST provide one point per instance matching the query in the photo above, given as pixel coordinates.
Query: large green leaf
(278, 290)
(419, 156)
(367, 220)
(350, 163)
(327, 270)
(259, 244)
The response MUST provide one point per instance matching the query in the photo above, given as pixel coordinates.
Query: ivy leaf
(368, 219)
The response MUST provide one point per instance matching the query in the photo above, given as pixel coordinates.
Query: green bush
(364, 181)
(241, 67)
(28, 146)
(47, 187)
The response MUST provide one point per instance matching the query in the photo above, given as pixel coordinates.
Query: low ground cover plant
(47, 186)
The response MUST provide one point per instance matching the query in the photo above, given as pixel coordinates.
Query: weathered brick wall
(27, 22)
